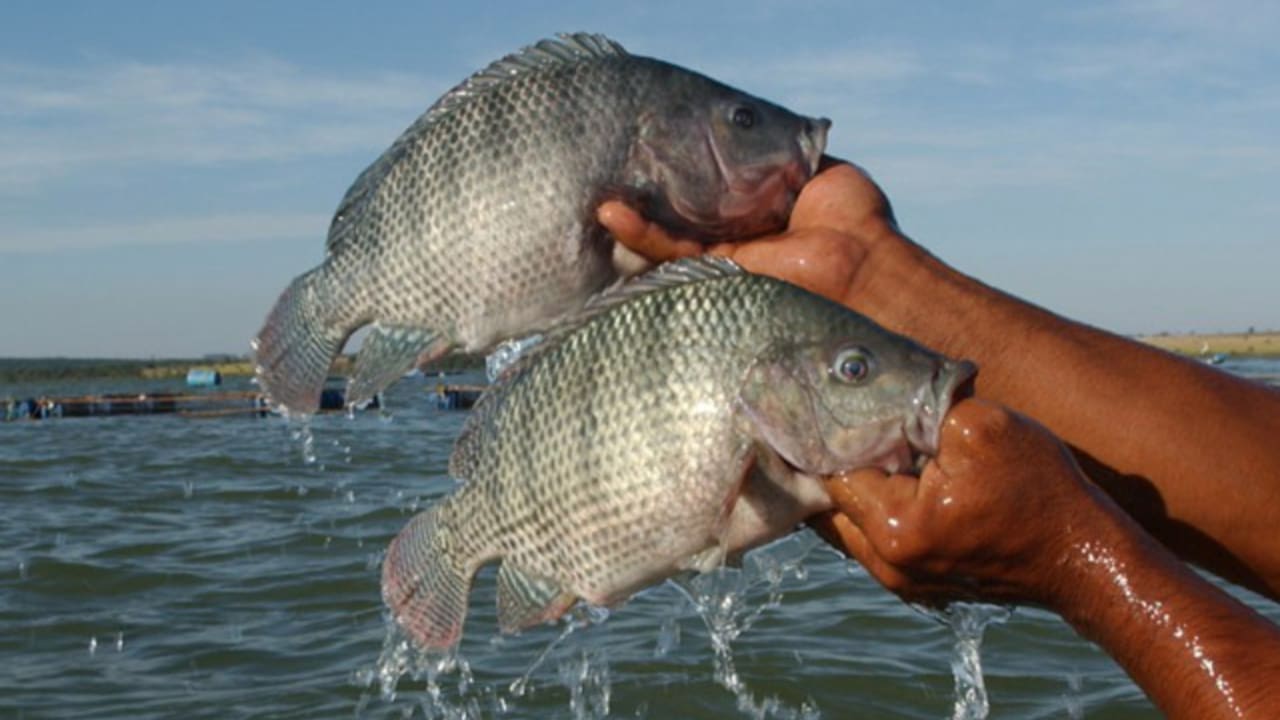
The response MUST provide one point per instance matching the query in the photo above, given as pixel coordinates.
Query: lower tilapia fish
(478, 224)
(678, 421)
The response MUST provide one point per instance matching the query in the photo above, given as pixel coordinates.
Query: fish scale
(478, 223)
(616, 453)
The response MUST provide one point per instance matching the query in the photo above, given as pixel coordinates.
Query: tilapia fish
(478, 224)
(680, 420)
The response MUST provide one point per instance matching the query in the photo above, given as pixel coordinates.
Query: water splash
(1074, 703)
(302, 436)
(449, 689)
(668, 636)
(588, 679)
(969, 622)
(730, 601)
(506, 354)
(520, 686)
(722, 599)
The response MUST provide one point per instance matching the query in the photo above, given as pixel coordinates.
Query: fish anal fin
(525, 600)
(388, 352)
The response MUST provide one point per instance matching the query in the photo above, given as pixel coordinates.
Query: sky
(167, 168)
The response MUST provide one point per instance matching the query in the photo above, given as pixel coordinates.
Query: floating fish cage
(224, 404)
(456, 397)
(117, 404)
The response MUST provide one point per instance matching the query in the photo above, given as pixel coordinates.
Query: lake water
(157, 567)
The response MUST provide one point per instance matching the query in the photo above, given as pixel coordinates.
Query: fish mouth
(813, 142)
(952, 381)
(759, 198)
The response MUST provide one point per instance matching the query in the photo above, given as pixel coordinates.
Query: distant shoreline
(1241, 344)
(16, 370)
(1257, 344)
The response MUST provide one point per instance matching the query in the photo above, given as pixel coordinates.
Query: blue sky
(167, 168)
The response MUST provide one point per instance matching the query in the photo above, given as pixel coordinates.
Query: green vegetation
(1251, 343)
(16, 370)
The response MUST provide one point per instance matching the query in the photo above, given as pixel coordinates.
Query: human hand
(999, 515)
(840, 223)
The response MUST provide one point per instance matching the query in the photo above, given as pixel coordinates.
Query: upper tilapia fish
(683, 419)
(478, 223)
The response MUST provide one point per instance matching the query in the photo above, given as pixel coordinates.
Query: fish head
(719, 163)
(868, 398)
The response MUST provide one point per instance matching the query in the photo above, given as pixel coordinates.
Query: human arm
(1004, 514)
(1192, 453)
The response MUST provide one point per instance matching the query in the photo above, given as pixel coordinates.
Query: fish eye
(744, 117)
(852, 365)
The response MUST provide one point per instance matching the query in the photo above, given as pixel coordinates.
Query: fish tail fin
(424, 585)
(387, 353)
(296, 346)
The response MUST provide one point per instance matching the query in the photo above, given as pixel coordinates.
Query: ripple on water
(233, 594)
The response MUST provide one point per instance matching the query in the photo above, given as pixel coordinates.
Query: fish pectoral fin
(388, 352)
(707, 560)
(775, 499)
(525, 600)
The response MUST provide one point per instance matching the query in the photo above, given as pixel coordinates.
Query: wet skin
(1179, 457)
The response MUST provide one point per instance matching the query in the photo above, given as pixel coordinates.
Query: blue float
(203, 377)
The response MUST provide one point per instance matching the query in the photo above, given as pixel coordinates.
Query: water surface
(170, 567)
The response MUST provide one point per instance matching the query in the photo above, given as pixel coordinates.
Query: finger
(819, 260)
(646, 238)
(838, 530)
(841, 197)
(871, 497)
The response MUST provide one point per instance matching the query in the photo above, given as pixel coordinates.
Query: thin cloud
(1232, 23)
(228, 227)
(59, 121)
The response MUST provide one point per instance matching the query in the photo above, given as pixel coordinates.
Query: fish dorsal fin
(564, 49)
(479, 425)
(667, 275)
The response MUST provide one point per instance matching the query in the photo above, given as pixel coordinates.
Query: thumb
(646, 238)
(870, 495)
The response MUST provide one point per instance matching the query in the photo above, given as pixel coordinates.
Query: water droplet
(519, 686)
(969, 622)
(668, 637)
(93, 645)
(120, 641)
(506, 354)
